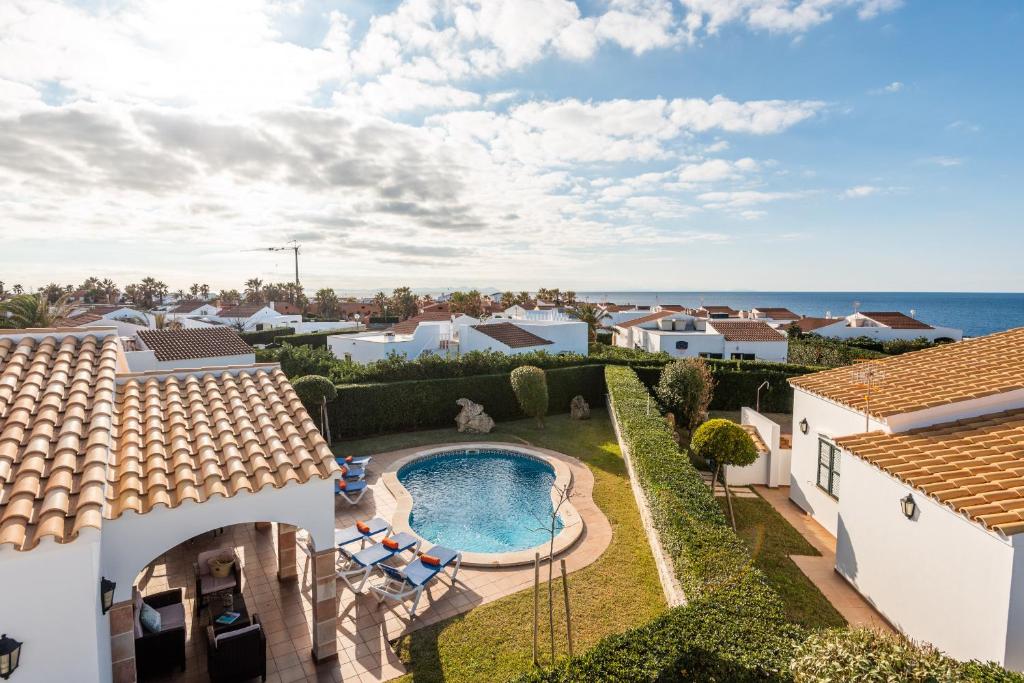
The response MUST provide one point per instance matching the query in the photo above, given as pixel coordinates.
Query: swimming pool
(486, 500)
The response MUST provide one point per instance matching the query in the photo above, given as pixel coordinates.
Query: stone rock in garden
(579, 409)
(472, 419)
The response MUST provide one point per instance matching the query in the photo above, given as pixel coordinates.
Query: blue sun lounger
(353, 491)
(357, 569)
(352, 534)
(410, 580)
(351, 472)
(355, 461)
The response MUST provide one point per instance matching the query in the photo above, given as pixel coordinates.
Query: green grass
(772, 540)
(620, 590)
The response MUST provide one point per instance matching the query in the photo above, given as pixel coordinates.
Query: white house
(880, 325)
(773, 315)
(193, 308)
(254, 317)
(103, 470)
(431, 332)
(916, 464)
(186, 348)
(524, 336)
(126, 320)
(684, 336)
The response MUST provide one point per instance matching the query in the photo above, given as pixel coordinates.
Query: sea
(973, 312)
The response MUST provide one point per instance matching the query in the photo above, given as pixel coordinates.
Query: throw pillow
(150, 619)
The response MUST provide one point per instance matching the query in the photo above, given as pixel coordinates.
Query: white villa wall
(51, 603)
(697, 343)
(132, 541)
(938, 577)
(1014, 657)
(764, 470)
(204, 310)
(569, 336)
(828, 419)
(323, 326)
(768, 351)
(374, 346)
(145, 361)
(616, 317)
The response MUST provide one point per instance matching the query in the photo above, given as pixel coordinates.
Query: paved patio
(821, 569)
(365, 628)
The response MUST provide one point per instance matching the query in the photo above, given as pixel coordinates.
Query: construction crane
(295, 248)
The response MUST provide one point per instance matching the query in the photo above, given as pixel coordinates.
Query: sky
(618, 144)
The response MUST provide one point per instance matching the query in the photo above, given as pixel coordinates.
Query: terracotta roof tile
(746, 330)
(975, 466)
(949, 373)
(777, 313)
(512, 335)
(808, 324)
(79, 320)
(190, 343)
(409, 325)
(56, 408)
(188, 306)
(759, 443)
(644, 319)
(896, 320)
(240, 311)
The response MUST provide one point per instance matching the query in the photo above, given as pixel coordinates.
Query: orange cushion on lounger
(342, 484)
(362, 528)
(348, 459)
(431, 560)
(390, 543)
(344, 471)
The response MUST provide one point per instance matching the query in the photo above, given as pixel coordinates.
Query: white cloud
(944, 161)
(779, 16)
(859, 191)
(743, 198)
(894, 87)
(757, 116)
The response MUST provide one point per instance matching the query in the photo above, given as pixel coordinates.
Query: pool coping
(572, 522)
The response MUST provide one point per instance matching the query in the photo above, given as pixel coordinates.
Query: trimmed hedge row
(733, 627)
(314, 339)
(265, 336)
(736, 388)
(365, 409)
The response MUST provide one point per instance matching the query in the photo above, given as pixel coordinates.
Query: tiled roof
(188, 306)
(746, 330)
(212, 342)
(755, 436)
(80, 320)
(674, 308)
(56, 408)
(409, 326)
(512, 335)
(944, 374)
(644, 319)
(975, 466)
(240, 311)
(811, 324)
(777, 313)
(896, 320)
(211, 435)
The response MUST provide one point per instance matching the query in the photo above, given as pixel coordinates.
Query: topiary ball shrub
(860, 654)
(724, 441)
(686, 387)
(530, 386)
(313, 389)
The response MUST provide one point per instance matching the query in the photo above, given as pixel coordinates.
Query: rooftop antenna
(856, 306)
(913, 313)
(868, 376)
(295, 248)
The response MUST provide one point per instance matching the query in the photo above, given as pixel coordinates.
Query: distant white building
(684, 336)
(150, 350)
(880, 325)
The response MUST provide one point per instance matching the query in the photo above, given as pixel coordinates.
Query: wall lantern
(106, 594)
(804, 426)
(10, 655)
(909, 506)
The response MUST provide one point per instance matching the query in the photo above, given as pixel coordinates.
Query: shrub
(866, 655)
(815, 350)
(297, 361)
(531, 389)
(313, 390)
(725, 442)
(265, 336)
(317, 339)
(686, 387)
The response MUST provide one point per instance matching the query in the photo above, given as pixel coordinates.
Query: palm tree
(381, 299)
(194, 290)
(229, 297)
(592, 315)
(204, 291)
(17, 289)
(109, 289)
(254, 290)
(327, 302)
(160, 321)
(33, 310)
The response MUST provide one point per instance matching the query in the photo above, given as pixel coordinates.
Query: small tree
(728, 444)
(315, 391)
(686, 387)
(530, 386)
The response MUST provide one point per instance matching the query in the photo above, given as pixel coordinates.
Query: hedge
(736, 388)
(265, 336)
(314, 339)
(733, 627)
(365, 409)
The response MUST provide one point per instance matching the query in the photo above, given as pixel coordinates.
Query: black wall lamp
(908, 506)
(106, 594)
(10, 656)
(804, 426)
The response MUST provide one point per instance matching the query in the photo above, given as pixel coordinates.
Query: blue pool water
(488, 501)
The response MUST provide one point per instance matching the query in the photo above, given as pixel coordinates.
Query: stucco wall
(938, 577)
(823, 418)
(568, 336)
(697, 343)
(760, 471)
(51, 603)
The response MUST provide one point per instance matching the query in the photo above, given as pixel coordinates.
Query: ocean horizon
(976, 313)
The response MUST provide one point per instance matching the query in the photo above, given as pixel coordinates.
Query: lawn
(620, 590)
(772, 540)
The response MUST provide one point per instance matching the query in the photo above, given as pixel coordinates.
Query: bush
(865, 655)
(725, 442)
(686, 387)
(313, 390)
(316, 339)
(531, 390)
(815, 350)
(265, 336)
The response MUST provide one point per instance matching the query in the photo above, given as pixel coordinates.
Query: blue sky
(628, 144)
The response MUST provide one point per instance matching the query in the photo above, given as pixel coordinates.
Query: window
(742, 356)
(713, 356)
(682, 345)
(828, 467)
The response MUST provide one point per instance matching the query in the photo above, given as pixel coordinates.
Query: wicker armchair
(237, 655)
(158, 652)
(207, 584)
